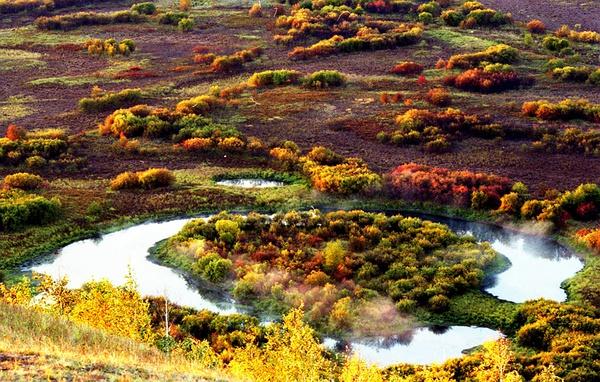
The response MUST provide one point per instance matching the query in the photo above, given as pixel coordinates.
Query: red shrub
(479, 80)
(14, 132)
(418, 182)
(586, 211)
(421, 81)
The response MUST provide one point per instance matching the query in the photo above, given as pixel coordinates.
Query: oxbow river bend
(538, 267)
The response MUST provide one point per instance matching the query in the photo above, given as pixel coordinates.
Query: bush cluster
(23, 181)
(19, 209)
(32, 146)
(148, 179)
(102, 101)
(327, 256)
(146, 8)
(487, 81)
(76, 20)
(460, 188)
(578, 36)
(561, 71)
(564, 110)
(274, 78)
(365, 39)
(497, 54)
(434, 130)
(233, 62)
(572, 139)
(110, 46)
(473, 14)
(40, 6)
(324, 79)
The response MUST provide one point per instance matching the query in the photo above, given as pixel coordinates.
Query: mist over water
(538, 267)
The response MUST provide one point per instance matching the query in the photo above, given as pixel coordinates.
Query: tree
(291, 353)
(497, 357)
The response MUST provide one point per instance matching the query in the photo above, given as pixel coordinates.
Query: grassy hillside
(37, 346)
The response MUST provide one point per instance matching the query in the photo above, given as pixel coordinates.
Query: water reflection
(250, 183)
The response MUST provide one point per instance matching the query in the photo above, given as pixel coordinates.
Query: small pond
(250, 183)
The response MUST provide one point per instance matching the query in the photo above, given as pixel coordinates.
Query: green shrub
(146, 8)
(555, 44)
(325, 79)
(74, 20)
(171, 18)
(274, 78)
(453, 18)
(186, 24)
(111, 101)
(18, 209)
(425, 17)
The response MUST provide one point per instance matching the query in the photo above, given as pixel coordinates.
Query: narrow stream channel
(538, 267)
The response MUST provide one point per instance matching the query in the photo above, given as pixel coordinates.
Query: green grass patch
(31, 35)
(456, 39)
(71, 81)
(14, 59)
(475, 308)
(15, 107)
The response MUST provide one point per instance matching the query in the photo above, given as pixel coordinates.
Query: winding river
(538, 267)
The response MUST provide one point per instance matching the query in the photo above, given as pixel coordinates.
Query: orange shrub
(232, 144)
(14, 132)
(151, 178)
(255, 10)
(125, 180)
(536, 26)
(197, 144)
(438, 97)
(407, 68)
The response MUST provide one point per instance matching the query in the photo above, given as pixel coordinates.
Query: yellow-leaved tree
(356, 370)
(117, 310)
(292, 353)
(496, 363)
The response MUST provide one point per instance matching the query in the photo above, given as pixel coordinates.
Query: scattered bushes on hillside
(564, 110)
(225, 64)
(590, 237)
(497, 54)
(76, 20)
(562, 71)
(570, 140)
(149, 179)
(23, 181)
(460, 188)
(102, 101)
(110, 46)
(19, 209)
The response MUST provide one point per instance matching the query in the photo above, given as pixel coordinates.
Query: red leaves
(419, 182)
(14, 132)
(479, 80)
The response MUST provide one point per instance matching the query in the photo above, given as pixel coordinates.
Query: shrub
(501, 53)
(224, 64)
(350, 177)
(186, 24)
(536, 26)
(485, 17)
(110, 47)
(484, 81)
(146, 8)
(149, 179)
(438, 97)
(232, 144)
(156, 177)
(462, 188)
(563, 110)
(425, 17)
(18, 209)
(325, 156)
(274, 78)
(594, 77)
(75, 20)
(325, 79)
(255, 10)
(572, 73)
(185, 5)
(453, 18)
(555, 44)
(407, 68)
(35, 161)
(110, 101)
(579, 36)
(171, 18)
(48, 144)
(23, 181)
(15, 133)
(197, 144)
